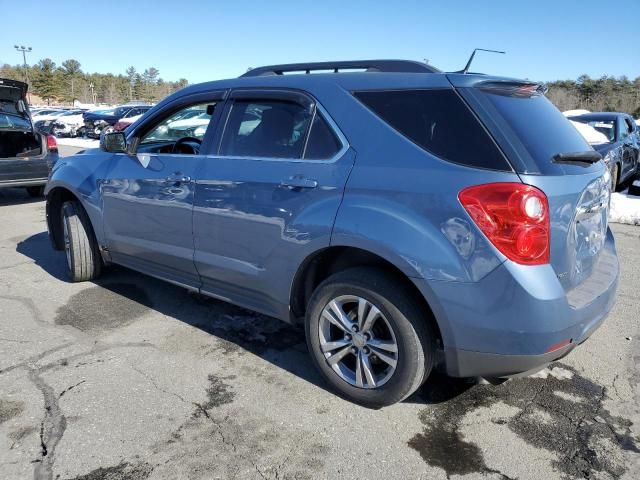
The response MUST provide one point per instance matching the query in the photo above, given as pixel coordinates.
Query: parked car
(410, 220)
(26, 155)
(96, 122)
(125, 122)
(47, 114)
(65, 123)
(621, 151)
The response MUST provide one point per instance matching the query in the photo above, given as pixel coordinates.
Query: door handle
(178, 178)
(298, 183)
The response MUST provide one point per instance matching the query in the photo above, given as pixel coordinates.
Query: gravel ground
(133, 378)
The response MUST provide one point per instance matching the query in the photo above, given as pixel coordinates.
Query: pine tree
(47, 82)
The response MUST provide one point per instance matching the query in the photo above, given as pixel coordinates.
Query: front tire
(368, 338)
(81, 248)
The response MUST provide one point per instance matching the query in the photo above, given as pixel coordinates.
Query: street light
(24, 51)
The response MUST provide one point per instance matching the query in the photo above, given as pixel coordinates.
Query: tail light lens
(514, 217)
(52, 144)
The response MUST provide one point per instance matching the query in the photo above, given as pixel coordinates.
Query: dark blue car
(410, 219)
(621, 150)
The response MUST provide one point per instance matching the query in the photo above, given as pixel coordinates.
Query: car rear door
(268, 197)
(148, 197)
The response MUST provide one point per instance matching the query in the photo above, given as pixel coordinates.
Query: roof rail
(405, 66)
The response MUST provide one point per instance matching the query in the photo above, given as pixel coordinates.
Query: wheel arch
(56, 196)
(330, 260)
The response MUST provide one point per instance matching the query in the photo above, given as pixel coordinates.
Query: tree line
(606, 94)
(67, 83)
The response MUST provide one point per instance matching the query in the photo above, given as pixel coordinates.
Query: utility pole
(24, 51)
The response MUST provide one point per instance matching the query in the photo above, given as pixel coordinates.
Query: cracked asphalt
(133, 378)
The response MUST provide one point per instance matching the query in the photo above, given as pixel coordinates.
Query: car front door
(148, 195)
(268, 198)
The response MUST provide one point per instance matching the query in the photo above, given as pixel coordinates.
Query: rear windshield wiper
(577, 157)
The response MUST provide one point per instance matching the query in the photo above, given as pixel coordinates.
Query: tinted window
(439, 122)
(540, 127)
(265, 129)
(322, 143)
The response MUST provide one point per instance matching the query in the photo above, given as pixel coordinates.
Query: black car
(26, 155)
(622, 149)
(96, 122)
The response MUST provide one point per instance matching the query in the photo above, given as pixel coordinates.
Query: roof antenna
(466, 68)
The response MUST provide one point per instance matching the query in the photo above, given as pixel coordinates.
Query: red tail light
(52, 144)
(514, 217)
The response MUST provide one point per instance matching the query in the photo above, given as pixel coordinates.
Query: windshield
(8, 121)
(606, 127)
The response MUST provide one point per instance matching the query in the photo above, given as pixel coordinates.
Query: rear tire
(81, 248)
(35, 192)
(386, 377)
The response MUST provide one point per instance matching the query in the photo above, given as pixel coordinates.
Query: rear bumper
(466, 363)
(512, 321)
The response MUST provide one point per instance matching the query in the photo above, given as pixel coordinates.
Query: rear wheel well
(332, 260)
(55, 199)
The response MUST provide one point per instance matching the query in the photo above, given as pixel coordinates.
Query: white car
(68, 124)
(47, 115)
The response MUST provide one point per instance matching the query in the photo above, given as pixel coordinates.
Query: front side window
(191, 121)
(265, 128)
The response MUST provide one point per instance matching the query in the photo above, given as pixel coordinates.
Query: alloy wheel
(358, 342)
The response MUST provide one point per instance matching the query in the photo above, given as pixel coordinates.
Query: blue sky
(208, 40)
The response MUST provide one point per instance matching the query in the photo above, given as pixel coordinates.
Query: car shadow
(121, 295)
(16, 196)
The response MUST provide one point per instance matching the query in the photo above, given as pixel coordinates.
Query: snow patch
(79, 142)
(556, 372)
(574, 113)
(590, 134)
(625, 208)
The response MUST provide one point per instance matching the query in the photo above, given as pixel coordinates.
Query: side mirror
(114, 142)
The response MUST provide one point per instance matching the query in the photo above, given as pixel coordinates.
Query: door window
(191, 121)
(265, 128)
(323, 143)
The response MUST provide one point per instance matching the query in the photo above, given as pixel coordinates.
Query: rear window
(439, 122)
(540, 127)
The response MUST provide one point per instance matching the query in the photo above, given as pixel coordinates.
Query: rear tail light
(52, 144)
(514, 217)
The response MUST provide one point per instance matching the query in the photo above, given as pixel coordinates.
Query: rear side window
(266, 128)
(439, 122)
(323, 143)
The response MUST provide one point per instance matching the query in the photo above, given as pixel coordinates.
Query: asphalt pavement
(129, 377)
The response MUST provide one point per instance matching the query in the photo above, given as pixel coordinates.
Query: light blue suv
(411, 219)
